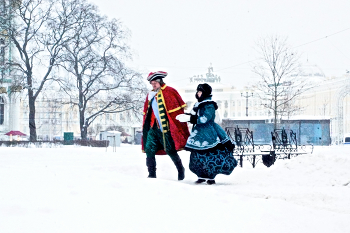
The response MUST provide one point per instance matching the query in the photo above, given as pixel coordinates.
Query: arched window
(2, 109)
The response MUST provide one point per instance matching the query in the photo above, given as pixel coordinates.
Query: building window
(189, 104)
(2, 51)
(190, 91)
(2, 6)
(219, 103)
(2, 110)
(218, 90)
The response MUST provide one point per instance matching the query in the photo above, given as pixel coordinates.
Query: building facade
(9, 94)
(328, 99)
(53, 118)
(232, 102)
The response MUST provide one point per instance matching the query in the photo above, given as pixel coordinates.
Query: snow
(78, 189)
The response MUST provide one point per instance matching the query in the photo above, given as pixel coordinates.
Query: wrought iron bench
(280, 148)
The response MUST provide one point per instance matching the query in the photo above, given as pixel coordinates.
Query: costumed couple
(165, 131)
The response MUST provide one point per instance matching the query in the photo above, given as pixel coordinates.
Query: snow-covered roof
(312, 70)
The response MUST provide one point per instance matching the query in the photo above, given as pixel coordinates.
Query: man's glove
(183, 117)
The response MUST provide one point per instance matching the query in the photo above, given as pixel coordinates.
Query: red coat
(174, 105)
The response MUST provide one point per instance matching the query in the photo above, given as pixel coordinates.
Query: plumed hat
(156, 75)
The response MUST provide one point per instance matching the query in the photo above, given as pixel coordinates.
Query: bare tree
(97, 80)
(279, 70)
(94, 130)
(324, 105)
(38, 30)
(115, 128)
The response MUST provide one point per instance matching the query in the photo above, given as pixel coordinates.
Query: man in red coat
(162, 133)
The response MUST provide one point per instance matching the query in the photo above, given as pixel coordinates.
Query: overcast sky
(183, 37)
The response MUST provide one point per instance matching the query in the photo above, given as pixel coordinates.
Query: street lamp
(246, 103)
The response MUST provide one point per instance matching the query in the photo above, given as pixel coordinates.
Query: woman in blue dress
(211, 148)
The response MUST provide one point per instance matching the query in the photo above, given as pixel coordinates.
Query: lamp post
(246, 103)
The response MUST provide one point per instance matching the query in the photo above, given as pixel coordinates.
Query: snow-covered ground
(82, 190)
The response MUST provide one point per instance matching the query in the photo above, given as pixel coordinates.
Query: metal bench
(280, 148)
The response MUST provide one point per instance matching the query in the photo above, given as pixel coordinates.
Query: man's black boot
(181, 170)
(151, 165)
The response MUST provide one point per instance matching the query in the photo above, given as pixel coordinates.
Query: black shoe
(199, 181)
(210, 182)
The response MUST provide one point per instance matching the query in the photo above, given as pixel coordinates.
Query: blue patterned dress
(211, 148)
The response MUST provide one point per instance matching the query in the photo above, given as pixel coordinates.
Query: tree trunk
(275, 108)
(32, 126)
(83, 133)
(83, 127)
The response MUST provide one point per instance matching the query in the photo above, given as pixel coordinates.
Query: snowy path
(78, 189)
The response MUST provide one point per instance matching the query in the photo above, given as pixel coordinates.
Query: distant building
(308, 131)
(329, 99)
(9, 92)
(54, 118)
(231, 101)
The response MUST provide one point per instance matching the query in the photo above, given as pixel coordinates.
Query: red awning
(15, 133)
